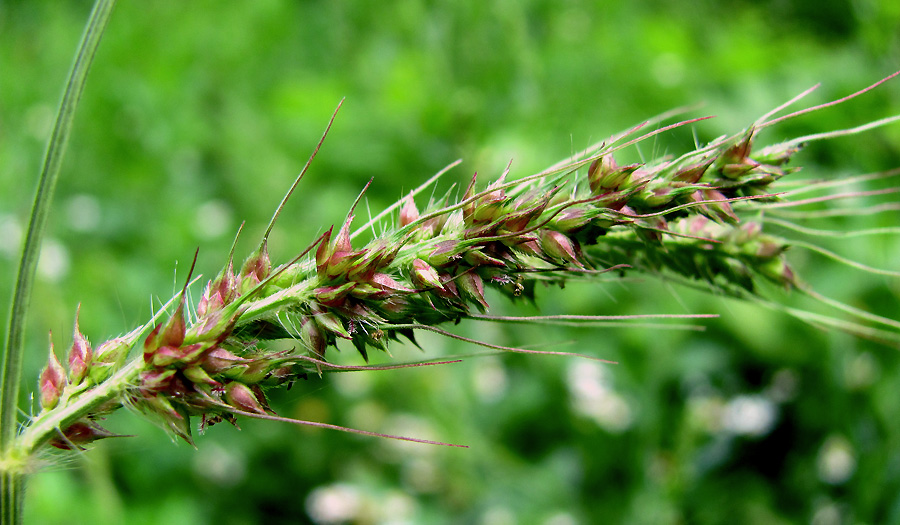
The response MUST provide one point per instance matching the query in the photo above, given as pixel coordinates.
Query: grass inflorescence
(701, 219)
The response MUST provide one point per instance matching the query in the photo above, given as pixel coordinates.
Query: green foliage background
(198, 115)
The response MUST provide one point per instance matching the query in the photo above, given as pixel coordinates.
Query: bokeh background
(198, 115)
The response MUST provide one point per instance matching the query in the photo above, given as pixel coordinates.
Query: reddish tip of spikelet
(80, 356)
(243, 398)
(52, 381)
(473, 286)
(312, 337)
(605, 175)
(256, 268)
(169, 335)
(219, 292)
(218, 360)
(425, 275)
(408, 213)
(559, 246)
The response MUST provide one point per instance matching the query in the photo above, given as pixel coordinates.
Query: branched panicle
(682, 217)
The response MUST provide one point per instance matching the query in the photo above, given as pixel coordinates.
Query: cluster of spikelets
(582, 218)
(682, 219)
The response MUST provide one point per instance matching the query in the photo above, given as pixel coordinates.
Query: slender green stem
(12, 485)
(12, 358)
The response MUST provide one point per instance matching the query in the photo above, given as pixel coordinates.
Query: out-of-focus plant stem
(12, 484)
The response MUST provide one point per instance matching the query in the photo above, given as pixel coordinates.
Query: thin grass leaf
(12, 484)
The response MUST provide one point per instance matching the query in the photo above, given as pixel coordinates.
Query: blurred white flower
(83, 212)
(827, 513)
(862, 371)
(334, 503)
(222, 466)
(837, 460)
(396, 509)
(593, 397)
(422, 475)
(749, 415)
(53, 265)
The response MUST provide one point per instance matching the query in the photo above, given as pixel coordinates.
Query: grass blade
(12, 356)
